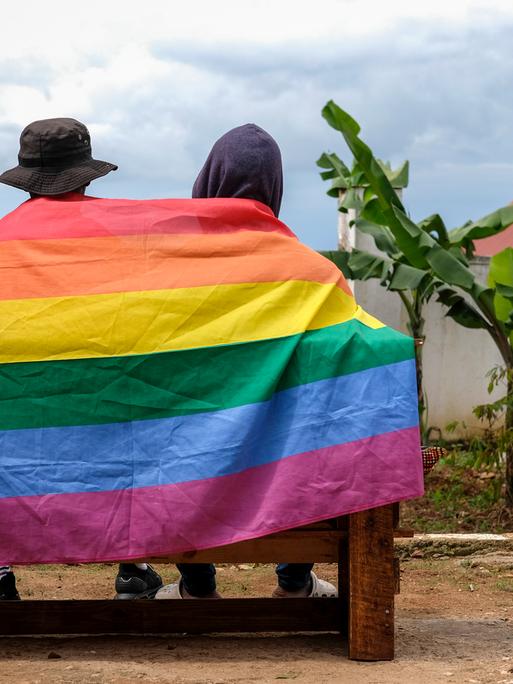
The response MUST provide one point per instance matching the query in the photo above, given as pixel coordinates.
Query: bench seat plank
(169, 617)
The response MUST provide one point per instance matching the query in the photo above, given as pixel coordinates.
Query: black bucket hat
(55, 157)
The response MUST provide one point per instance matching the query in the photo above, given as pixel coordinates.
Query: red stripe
(82, 216)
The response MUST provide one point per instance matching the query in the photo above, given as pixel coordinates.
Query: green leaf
(400, 177)
(460, 309)
(337, 171)
(505, 290)
(336, 118)
(501, 267)
(372, 211)
(340, 259)
(328, 175)
(488, 225)
(383, 237)
(364, 265)
(458, 254)
(482, 293)
(434, 224)
(351, 200)
(338, 184)
(414, 242)
(465, 314)
(324, 162)
(406, 277)
(446, 295)
(341, 121)
(367, 194)
(501, 276)
(449, 269)
(338, 165)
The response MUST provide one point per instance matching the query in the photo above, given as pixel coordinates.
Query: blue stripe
(145, 453)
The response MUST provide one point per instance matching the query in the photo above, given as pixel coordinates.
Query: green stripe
(116, 389)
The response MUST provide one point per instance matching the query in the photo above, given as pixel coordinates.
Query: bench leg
(371, 585)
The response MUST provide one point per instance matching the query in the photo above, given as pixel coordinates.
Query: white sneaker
(320, 588)
(169, 591)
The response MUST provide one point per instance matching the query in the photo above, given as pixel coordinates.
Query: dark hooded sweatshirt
(244, 163)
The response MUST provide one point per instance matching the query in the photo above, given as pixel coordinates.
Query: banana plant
(347, 185)
(415, 289)
(424, 260)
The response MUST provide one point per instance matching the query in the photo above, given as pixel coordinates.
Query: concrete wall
(456, 359)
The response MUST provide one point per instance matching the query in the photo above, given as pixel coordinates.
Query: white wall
(456, 359)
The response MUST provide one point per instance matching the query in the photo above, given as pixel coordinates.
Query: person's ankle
(185, 594)
(279, 592)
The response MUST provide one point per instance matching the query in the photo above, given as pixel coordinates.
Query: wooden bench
(361, 544)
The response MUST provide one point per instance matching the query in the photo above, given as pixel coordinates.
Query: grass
(505, 585)
(460, 498)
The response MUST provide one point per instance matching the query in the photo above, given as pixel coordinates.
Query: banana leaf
(419, 247)
(340, 260)
(330, 160)
(383, 237)
(434, 224)
(460, 309)
(406, 277)
(488, 225)
(364, 265)
(500, 276)
(351, 200)
(400, 177)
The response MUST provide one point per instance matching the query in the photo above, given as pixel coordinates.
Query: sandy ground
(454, 624)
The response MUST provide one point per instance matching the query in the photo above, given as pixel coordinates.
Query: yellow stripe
(162, 320)
(367, 319)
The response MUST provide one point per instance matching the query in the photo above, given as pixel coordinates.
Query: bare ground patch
(454, 624)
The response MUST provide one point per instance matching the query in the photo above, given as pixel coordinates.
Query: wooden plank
(371, 585)
(165, 617)
(343, 584)
(300, 546)
(401, 532)
(330, 524)
(396, 514)
(397, 576)
(398, 530)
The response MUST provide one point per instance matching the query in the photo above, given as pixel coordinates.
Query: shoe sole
(148, 594)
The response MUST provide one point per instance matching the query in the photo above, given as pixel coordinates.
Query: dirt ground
(454, 624)
(459, 498)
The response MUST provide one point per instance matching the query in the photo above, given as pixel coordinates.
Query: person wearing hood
(245, 163)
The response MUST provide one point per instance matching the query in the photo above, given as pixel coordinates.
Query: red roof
(494, 244)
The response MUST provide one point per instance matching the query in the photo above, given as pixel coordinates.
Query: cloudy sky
(157, 82)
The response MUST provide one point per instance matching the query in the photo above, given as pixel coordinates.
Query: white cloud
(158, 82)
(65, 33)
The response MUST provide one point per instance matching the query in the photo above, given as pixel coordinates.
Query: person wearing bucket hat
(55, 157)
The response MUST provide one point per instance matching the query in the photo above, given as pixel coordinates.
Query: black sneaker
(8, 591)
(134, 583)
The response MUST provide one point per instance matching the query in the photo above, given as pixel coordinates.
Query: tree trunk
(417, 329)
(421, 396)
(509, 441)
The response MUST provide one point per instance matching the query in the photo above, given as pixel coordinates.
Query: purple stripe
(152, 521)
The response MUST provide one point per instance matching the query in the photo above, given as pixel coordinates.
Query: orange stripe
(82, 266)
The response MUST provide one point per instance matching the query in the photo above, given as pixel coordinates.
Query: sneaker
(8, 591)
(134, 583)
(317, 588)
(321, 588)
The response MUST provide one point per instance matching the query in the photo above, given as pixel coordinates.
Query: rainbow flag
(181, 374)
